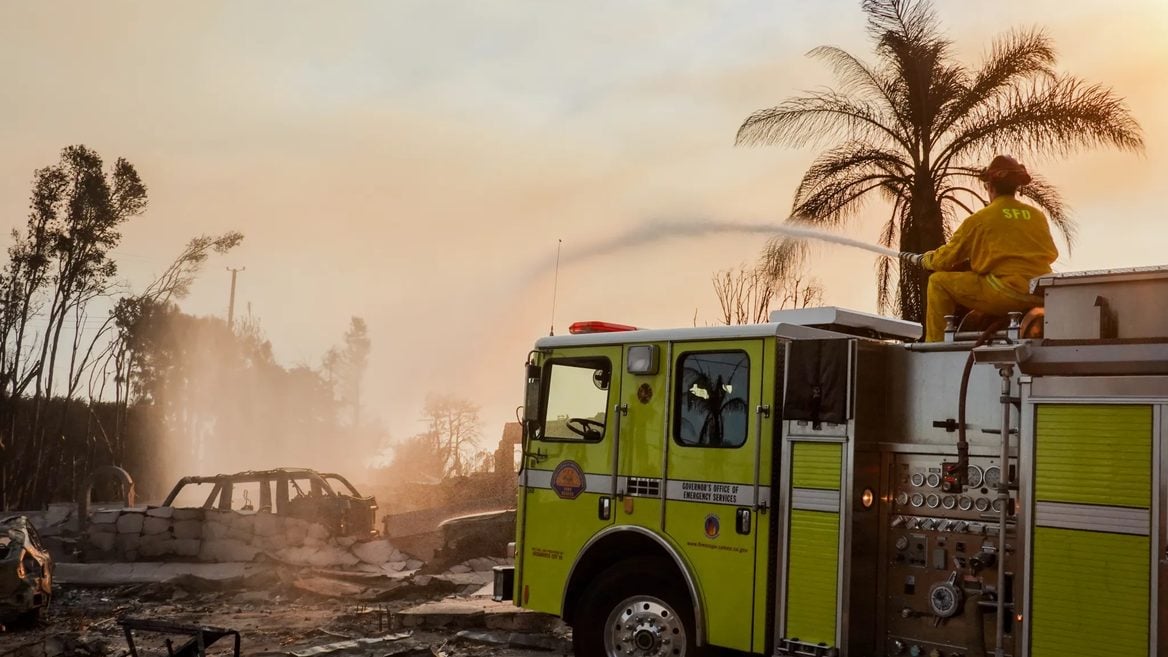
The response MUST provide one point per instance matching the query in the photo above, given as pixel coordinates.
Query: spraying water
(663, 230)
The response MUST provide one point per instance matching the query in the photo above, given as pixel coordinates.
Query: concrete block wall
(167, 533)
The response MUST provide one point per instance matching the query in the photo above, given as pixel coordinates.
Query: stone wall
(169, 533)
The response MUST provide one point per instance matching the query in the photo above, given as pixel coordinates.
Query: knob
(898, 521)
(907, 612)
(946, 525)
(914, 651)
(928, 523)
(901, 542)
(984, 559)
(934, 653)
(897, 647)
(912, 523)
(961, 526)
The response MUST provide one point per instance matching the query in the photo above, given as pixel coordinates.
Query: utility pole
(231, 302)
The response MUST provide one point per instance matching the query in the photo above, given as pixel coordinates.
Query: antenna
(555, 287)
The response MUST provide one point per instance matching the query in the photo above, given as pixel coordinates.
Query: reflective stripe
(1112, 519)
(708, 492)
(814, 499)
(593, 483)
(998, 285)
(678, 490)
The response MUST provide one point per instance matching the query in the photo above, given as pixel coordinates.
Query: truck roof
(828, 322)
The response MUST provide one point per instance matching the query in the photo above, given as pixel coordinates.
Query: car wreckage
(26, 572)
(321, 497)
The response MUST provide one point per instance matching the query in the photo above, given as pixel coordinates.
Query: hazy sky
(410, 162)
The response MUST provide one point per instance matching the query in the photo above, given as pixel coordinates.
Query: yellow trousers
(992, 296)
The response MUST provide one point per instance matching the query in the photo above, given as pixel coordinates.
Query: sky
(416, 163)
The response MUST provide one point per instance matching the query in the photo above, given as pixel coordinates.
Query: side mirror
(531, 393)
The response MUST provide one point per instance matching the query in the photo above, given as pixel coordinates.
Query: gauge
(993, 476)
(964, 503)
(902, 498)
(917, 499)
(982, 504)
(934, 480)
(917, 479)
(948, 501)
(973, 476)
(997, 506)
(944, 599)
(932, 501)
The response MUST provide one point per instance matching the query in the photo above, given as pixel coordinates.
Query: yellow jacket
(1008, 241)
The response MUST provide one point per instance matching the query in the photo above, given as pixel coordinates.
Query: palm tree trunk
(925, 232)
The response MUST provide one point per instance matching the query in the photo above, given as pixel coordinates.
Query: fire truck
(825, 484)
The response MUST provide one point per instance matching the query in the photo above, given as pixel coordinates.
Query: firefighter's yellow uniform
(1004, 245)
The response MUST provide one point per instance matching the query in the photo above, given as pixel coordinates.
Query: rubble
(154, 533)
(359, 646)
(516, 640)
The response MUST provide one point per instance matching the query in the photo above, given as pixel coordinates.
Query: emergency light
(578, 328)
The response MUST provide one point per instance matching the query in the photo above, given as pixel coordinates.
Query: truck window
(710, 408)
(577, 399)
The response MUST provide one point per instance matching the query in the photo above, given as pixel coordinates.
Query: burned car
(322, 497)
(26, 572)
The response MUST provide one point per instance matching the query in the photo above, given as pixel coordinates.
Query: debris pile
(163, 533)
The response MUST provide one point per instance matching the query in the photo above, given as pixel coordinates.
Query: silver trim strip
(781, 506)
(812, 499)
(1093, 388)
(1156, 644)
(600, 484)
(1113, 519)
(677, 490)
(690, 583)
(619, 411)
(667, 426)
(1026, 434)
(705, 492)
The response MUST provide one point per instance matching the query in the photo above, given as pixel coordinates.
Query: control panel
(943, 558)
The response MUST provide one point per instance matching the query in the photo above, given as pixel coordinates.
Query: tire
(636, 608)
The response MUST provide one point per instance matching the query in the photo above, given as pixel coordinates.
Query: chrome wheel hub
(644, 626)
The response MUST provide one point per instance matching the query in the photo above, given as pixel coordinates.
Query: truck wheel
(635, 609)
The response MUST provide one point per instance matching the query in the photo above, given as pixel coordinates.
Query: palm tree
(715, 398)
(911, 128)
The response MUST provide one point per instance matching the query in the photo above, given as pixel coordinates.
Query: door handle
(742, 521)
(604, 508)
(620, 411)
(761, 412)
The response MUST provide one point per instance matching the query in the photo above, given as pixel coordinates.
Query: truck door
(566, 481)
(718, 458)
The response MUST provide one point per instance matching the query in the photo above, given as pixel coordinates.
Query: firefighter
(988, 263)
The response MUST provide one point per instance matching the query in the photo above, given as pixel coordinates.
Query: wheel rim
(644, 626)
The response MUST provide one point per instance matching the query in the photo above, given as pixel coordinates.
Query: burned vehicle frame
(26, 572)
(321, 497)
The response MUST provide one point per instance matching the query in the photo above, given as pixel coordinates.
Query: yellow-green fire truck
(825, 484)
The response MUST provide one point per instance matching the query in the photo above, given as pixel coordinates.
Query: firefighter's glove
(913, 259)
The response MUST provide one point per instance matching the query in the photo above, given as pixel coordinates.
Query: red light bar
(598, 327)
